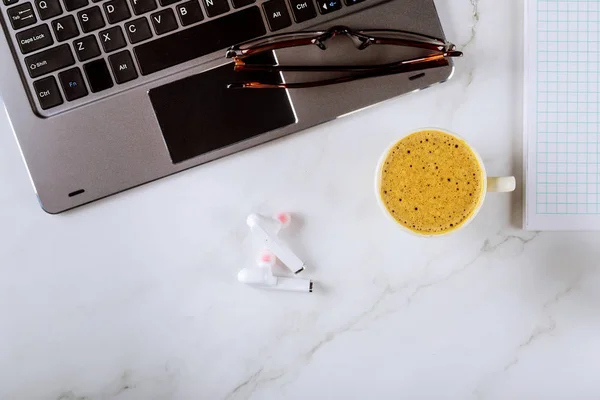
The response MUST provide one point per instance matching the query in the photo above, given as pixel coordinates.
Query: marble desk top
(135, 297)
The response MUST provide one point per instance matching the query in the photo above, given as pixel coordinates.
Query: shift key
(49, 60)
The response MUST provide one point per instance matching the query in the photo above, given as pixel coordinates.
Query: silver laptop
(107, 95)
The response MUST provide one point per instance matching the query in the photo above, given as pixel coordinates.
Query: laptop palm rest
(199, 114)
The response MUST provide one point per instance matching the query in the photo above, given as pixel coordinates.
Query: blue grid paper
(567, 107)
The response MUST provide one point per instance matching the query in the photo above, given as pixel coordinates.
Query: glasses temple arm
(240, 65)
(414, 65)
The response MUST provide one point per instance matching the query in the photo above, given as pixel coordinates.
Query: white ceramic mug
(490, 183)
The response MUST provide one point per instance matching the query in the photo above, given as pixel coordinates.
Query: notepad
(561, 118)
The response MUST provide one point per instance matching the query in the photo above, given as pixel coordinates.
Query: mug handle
(501, 183)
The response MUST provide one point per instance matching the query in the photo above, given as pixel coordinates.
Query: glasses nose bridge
(329, 34)
(359, 41)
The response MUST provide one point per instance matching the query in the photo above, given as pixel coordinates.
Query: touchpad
(199, 114)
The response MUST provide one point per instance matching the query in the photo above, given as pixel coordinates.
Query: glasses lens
(280, 39)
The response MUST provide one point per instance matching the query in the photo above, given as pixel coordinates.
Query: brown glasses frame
(441, 50)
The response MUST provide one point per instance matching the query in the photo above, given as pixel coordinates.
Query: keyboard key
(277, 14)
(34, 39)
(91, 19)
(49, 60)
(112, 39)
(241, 3)
(195, 42)
(21, 16)
(98, 75)
(48, 8)
(9, 2)
(72, 84)
(47, 92)
(189, 12)
(303, 10)
(86, 48)
(71, 5)
(352, 2)
(122, 67)
(164, 21)
(116, 11)
(138, 30)
(143, 6)
(327, 6)
(65, 28)
(216, 7)
(167, 2)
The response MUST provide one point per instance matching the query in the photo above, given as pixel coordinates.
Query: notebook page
(561, 123)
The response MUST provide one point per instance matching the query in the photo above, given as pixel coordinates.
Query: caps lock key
(34, 39)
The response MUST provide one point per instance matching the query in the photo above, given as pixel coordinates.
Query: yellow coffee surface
(431, 182)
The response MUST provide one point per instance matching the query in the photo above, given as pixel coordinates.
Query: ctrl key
(47, 93)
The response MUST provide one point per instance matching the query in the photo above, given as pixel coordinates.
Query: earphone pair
(261, 276)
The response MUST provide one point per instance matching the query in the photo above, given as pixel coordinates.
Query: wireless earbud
(260, 226)
(262, 276)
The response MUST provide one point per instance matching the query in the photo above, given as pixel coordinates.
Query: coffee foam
(431, 182)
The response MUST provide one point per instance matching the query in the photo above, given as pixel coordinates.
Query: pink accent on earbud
(266, 257)
(284, 218)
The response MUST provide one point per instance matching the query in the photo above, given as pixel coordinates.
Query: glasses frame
(441, 51)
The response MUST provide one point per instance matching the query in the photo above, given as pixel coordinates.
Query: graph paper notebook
(561, 132)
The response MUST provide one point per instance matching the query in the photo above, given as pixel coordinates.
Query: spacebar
(199, 40)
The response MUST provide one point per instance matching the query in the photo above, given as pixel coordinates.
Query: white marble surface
(135, 297)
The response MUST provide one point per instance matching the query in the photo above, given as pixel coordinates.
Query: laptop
(105, 95)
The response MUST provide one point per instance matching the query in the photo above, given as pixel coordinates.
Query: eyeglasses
(439, 52)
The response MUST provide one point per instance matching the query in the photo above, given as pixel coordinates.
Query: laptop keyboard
(74, 48)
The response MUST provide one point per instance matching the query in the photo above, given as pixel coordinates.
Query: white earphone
(259, 227)
(261, 276)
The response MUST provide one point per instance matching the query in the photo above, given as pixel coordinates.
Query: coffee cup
(437, 189)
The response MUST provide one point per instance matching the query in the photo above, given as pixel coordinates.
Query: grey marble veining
(135, 297)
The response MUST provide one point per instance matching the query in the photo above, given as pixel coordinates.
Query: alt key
(277, 14)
